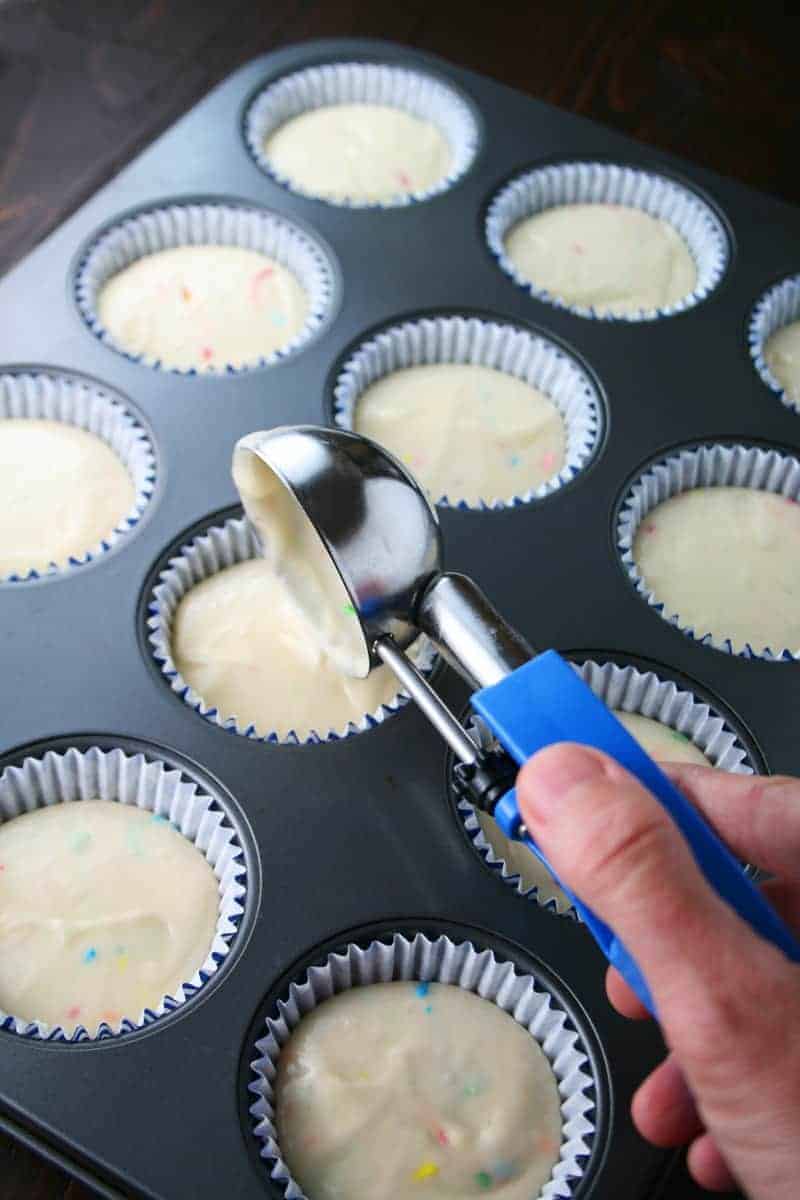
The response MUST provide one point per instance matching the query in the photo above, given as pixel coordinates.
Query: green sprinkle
(428, 1008)
(349, 610)
(81, 841)
(483, 1180)
(678, 737)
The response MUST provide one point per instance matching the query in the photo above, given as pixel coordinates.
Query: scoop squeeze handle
(545, 701)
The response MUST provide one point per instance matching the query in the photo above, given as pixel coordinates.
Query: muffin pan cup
(358, 835)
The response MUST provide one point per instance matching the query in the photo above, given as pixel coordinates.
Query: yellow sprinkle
(426, 1170)
(187, 295)
(122, 961)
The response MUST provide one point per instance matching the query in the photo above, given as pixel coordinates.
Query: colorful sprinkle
(2, 866)
(349, 609)
(677, 737)
(158, 819)
(256, 282)
(74, 1011)
(578, 248)
(89, 955)
(503, 1171)
(186, 294)
(483, 1180)
(428, 1008)
(110, 1015)
(514, 460)
(122, 962)
(81, 841)
(549, 461)
(405, 179)
(422, 989)
(426, 1170)
(649, 527)
(473, 1087)
(442, 1138)
(206, 353)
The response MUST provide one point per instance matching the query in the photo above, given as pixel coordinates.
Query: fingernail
(552, 773)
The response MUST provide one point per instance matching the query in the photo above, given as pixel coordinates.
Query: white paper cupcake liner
(610, 183)
(96, 774)
(219, 547)
(57, 396)
(778, 307)
(633, 691)
(526, 356)
(207, 225)
(705, 466)
(525, 998)
(414, 92)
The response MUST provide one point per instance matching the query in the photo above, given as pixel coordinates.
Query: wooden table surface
(84, 85)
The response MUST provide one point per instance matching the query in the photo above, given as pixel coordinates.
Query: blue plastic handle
(546, 701)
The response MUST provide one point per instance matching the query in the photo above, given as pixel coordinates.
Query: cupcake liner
(610, 183)
(441, 960)
(218, 547)
(55, 396)
(778, 307)
(74, 776)
(705, 466)
(207, 225)
(633, 691)
(526, 356)
(414, 92)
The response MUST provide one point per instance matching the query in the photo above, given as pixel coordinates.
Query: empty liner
(74, 776)
(56, 396)
(705, 466)
(633, 691)
(610, 183)
(467, 340)
(778, 307)
(219, 547)
(461, 964)
(176, 225)
(414, 92)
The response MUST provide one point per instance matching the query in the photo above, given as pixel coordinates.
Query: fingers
(708, 1167)
(623, 998)
(663, 1108)
(725, 997)
(758, 818)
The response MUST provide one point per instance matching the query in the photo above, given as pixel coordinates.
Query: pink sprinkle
(257, 280)
(548, 460)
(789, 500)
(405, 181)
(74, 1012)
(442, 1138)
(206, 354)
(578, 248)
(2, 866)
(649, 528)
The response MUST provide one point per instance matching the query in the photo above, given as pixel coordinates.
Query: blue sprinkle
(423, 989)
(89, 955)
(159, 820)
(428, 1008)
(514, 460)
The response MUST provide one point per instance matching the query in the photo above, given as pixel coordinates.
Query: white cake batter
(104, 910)
(397, 1090)
(782, 356)
(203, 307)
(660, 742)
(727, 561)
(608, 257)
(467, 432)
(240, 640)
(362, 152)
(62, 491)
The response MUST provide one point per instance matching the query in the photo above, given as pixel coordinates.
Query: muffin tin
(358, 837)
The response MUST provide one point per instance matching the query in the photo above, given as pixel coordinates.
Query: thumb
(720, 990)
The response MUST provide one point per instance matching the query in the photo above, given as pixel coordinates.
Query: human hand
(728, 1001)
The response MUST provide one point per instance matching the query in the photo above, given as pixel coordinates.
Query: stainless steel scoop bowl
(383, 537)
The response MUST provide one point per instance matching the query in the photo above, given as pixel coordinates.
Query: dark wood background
(84, 85)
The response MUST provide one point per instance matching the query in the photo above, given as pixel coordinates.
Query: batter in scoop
(467, 432)
(62, 491)
(362, 152)
(398, 1090)
(726, 560)
(661, 743)
(609, 257)
(104, 910)
(203, 307)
